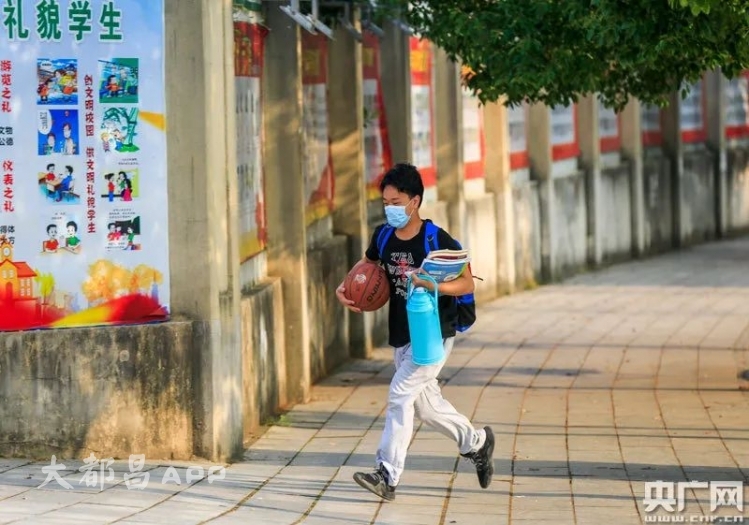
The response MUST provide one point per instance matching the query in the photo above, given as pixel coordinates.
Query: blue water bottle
(424, 324)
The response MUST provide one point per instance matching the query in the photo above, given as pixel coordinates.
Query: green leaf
(555, 51)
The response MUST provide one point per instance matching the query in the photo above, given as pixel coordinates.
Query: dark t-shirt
(400, 256)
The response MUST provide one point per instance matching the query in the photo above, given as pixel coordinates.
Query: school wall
(698, 196)
(115, 391)
(263, 358)
(327, 265)
(480, 223)
(616, 213)
(527, 230)
(569, 216)
(738, 189)
(658, 223)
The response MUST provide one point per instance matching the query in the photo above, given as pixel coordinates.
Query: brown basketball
(367, 285)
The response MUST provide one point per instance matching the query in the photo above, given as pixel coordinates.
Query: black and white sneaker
(377, 483)
(483, 458)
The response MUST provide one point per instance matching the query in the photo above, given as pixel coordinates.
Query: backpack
(466, 303)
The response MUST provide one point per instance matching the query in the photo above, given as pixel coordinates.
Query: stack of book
(446, 265)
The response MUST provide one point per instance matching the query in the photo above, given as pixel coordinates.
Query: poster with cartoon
(121, 185)
(83, 220)
(57, 81)
(57, 132)
(60, 182)
(118, 81)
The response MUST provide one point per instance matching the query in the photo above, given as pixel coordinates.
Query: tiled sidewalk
(593, 387)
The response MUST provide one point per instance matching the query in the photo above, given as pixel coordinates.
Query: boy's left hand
(429, 285)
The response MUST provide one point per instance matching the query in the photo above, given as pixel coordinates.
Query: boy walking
(414, 389)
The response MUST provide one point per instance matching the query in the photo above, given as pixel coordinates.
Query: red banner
(517, 117)
(318, 166)
(422, 110)
(737, 107)
(248, 49)
(378, 154)
(609, 129)
(693, 114)
(651, 125)
(563, 123)
(473, 137)
(249, 42)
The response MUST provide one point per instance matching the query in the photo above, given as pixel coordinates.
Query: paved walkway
(593, 387)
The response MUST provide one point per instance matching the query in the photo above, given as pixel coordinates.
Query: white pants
(415, 388)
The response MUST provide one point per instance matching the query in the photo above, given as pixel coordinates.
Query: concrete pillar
(449, 140)
(396, 90)
(590, 155)
(201, 150)
(540, 155)
(499, 182)
(674, 148)
(346, 123)
(632, 147)
(284, 190)
(716, 140)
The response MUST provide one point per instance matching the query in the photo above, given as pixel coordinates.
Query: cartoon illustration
(109, 177)
(114, 232)
(122, 185)
(118, 130)
(107, 281)
(68, 145)
(51, 245)
(46, 283)
(57, 81)
(123, 234)
(44, 90)
(49, 147)
(61, 235)
(72, 241)
(58, 132)
(16, 278)
(58, 187)
(118, 81)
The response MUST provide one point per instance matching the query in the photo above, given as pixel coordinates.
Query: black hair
(50, 227)
(73, 224)
(51, 166)
(67, 124)
(127, 180)
(109, 176)
(69, 168)
(111, 225)
(406, 179)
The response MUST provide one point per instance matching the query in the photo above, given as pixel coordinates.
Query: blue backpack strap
(430, 237)
(383, 237)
